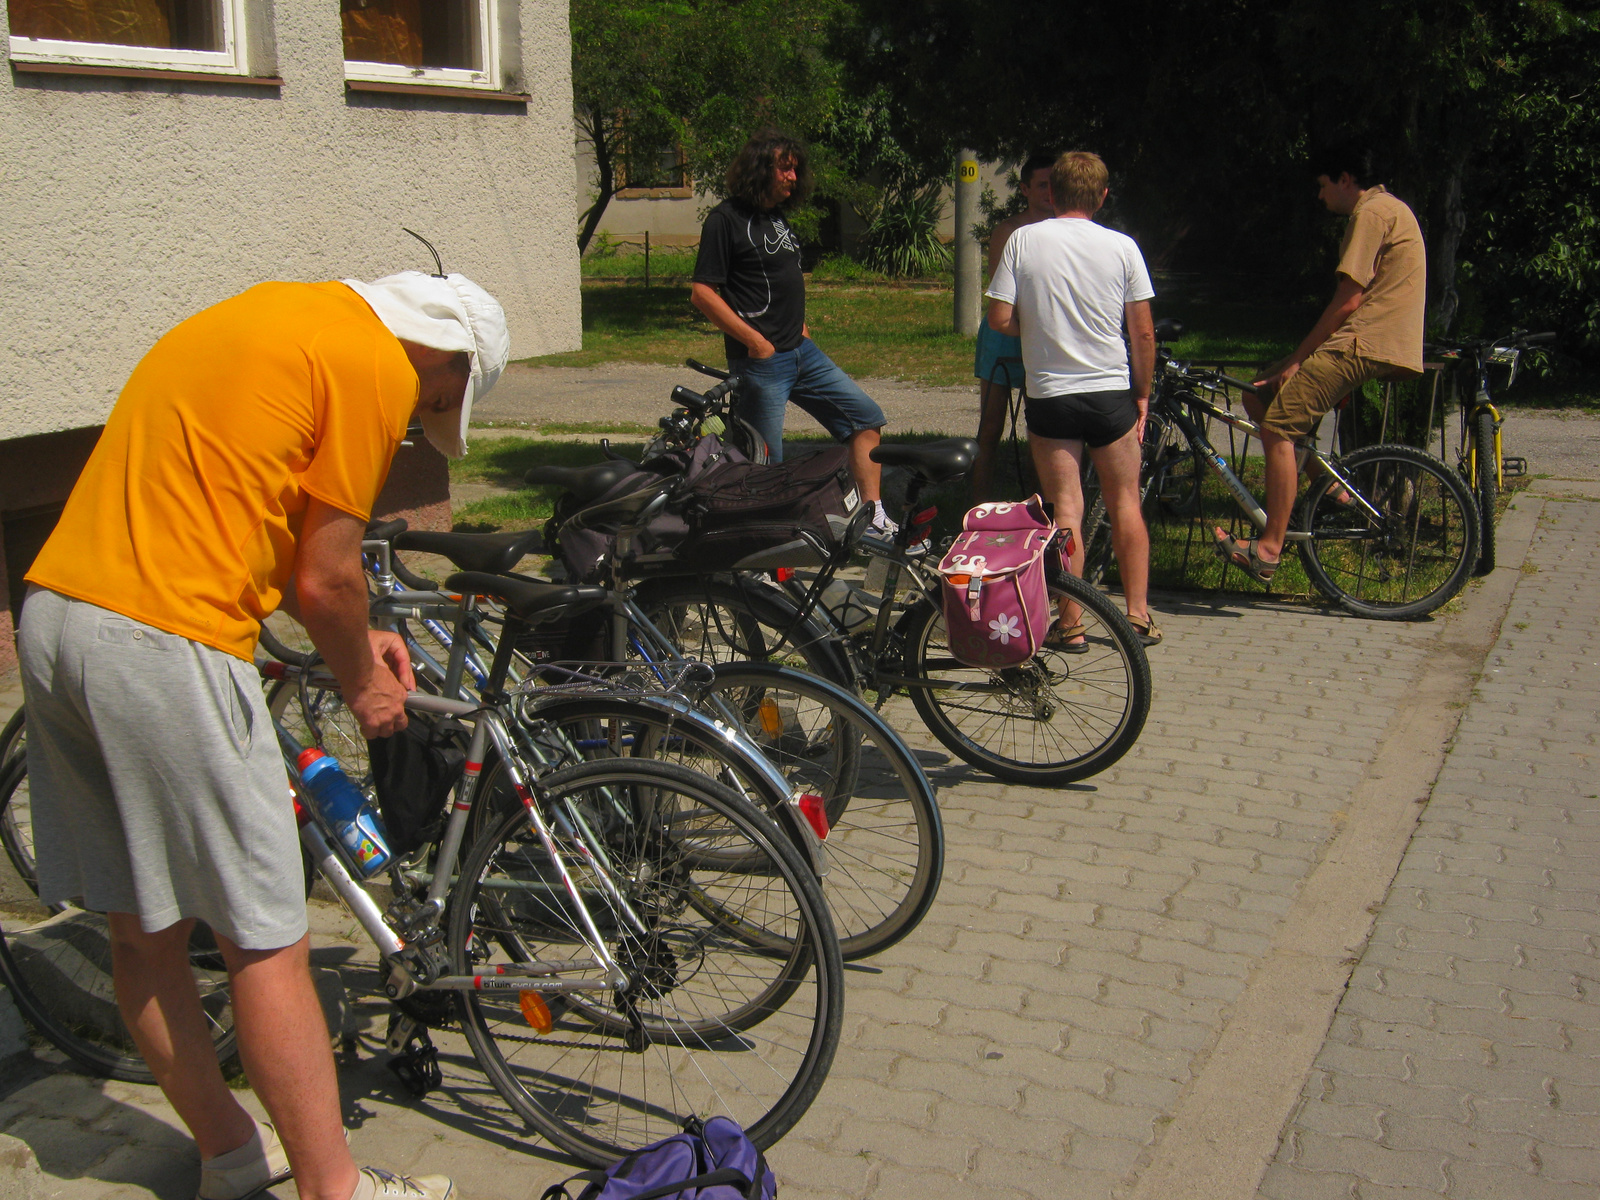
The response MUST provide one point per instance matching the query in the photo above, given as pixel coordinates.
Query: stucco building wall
(132, 203)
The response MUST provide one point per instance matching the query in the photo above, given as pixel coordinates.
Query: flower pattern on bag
(1006, 626)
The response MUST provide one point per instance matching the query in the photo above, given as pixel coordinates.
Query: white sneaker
(242, 1173)
(883, 526)
(377, 1184)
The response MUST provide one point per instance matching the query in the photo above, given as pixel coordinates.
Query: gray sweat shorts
(157, 783)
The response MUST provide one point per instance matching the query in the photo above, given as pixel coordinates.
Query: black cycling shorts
(1094, 418)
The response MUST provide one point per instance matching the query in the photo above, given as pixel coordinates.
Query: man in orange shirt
(1371, 329)
(236, 474)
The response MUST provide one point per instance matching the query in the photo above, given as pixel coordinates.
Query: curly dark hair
(750, 173)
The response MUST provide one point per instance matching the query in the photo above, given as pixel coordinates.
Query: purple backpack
(997, 609)
(713, 1161)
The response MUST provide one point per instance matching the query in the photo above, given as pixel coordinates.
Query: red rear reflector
(783, 574)
(925, 516)
(815, 813)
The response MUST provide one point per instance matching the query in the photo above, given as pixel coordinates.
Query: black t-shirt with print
(753, 259)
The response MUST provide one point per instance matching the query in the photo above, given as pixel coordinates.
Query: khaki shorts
(1321, 382)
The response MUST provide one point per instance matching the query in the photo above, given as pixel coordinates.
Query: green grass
(885, 330)
(666, 262)
(503, 462)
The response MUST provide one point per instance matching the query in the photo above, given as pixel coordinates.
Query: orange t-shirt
(188, 512)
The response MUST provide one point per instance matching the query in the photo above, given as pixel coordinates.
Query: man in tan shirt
(1371, 329)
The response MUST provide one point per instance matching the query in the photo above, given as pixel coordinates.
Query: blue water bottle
(345, 811)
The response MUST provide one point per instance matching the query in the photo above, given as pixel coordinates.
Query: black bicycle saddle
(934, 462)
(586, 483)
(491, 552)
(527, 598)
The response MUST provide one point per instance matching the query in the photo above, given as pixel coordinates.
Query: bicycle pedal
(1513, 465)
(418, 1070)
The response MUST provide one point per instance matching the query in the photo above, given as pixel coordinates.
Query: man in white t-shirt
(1066, 287)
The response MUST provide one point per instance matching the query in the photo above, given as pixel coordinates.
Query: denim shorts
(813, 381)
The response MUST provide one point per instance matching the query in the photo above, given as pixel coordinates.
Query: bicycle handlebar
(694, 364)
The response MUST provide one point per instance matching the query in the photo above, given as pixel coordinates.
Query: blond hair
(1078, 181)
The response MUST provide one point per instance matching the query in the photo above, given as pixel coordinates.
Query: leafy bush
(903, 237)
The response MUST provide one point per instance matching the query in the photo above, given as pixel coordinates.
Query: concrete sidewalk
(1137, 986)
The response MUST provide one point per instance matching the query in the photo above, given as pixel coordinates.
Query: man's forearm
(718, 312)
(1346, 299)
(333, 609)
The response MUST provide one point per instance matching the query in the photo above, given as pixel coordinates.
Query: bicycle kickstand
(416, 1058)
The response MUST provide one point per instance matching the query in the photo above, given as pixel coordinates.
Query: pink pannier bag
(997, 609)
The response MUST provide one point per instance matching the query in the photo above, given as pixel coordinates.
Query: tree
(696, 74)
(1204, 109)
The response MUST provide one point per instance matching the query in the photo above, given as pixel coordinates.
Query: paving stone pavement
(1464, 1060)
(1044, 1028)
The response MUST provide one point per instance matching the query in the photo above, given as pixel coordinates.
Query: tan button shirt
(1383, 252)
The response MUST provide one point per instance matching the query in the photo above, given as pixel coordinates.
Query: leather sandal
(1246, 556)
(1147, 629)
(1059, 639)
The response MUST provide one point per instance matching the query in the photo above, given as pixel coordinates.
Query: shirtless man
(996, 378)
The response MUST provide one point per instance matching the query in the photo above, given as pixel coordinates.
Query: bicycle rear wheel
(1487, 462)
(885, 843)
(739, 619)
(57, 964)
(1053, 719)
(1413, 557)
(708, 1022)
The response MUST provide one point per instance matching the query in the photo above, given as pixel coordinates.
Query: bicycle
(1056, 719)
(884, 836)
(611, 942)
(1480, 455)
(1400, 543)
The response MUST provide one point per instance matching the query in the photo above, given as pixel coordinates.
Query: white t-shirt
(1069, 279)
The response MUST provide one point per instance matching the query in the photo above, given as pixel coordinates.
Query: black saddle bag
(791, 514)
(413, 772)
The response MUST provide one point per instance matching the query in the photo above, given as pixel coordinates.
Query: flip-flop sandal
(1058, 639)
(1246, 556)
(1149, 632)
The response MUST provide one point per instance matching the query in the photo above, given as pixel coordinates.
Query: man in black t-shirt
(747, 282)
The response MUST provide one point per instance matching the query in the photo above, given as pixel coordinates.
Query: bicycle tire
(16, 827)
(57, 965)
(885, 852)
(1097, 549)
(1175, 469)
(739, 619)
(578, 1084)
(1488, 494)
(885, 843)
(1003, 731)
(1416, 559)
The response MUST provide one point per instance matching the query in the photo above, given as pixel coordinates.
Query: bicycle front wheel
(1488, 497)
(1053, 719)
(708, 1021)
(1408, 560)
(57, 964)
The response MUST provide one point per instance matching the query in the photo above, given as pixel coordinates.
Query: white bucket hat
(444, 312)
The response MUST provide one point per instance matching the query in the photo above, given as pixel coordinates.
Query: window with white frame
(177, 35)
(447, 42)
